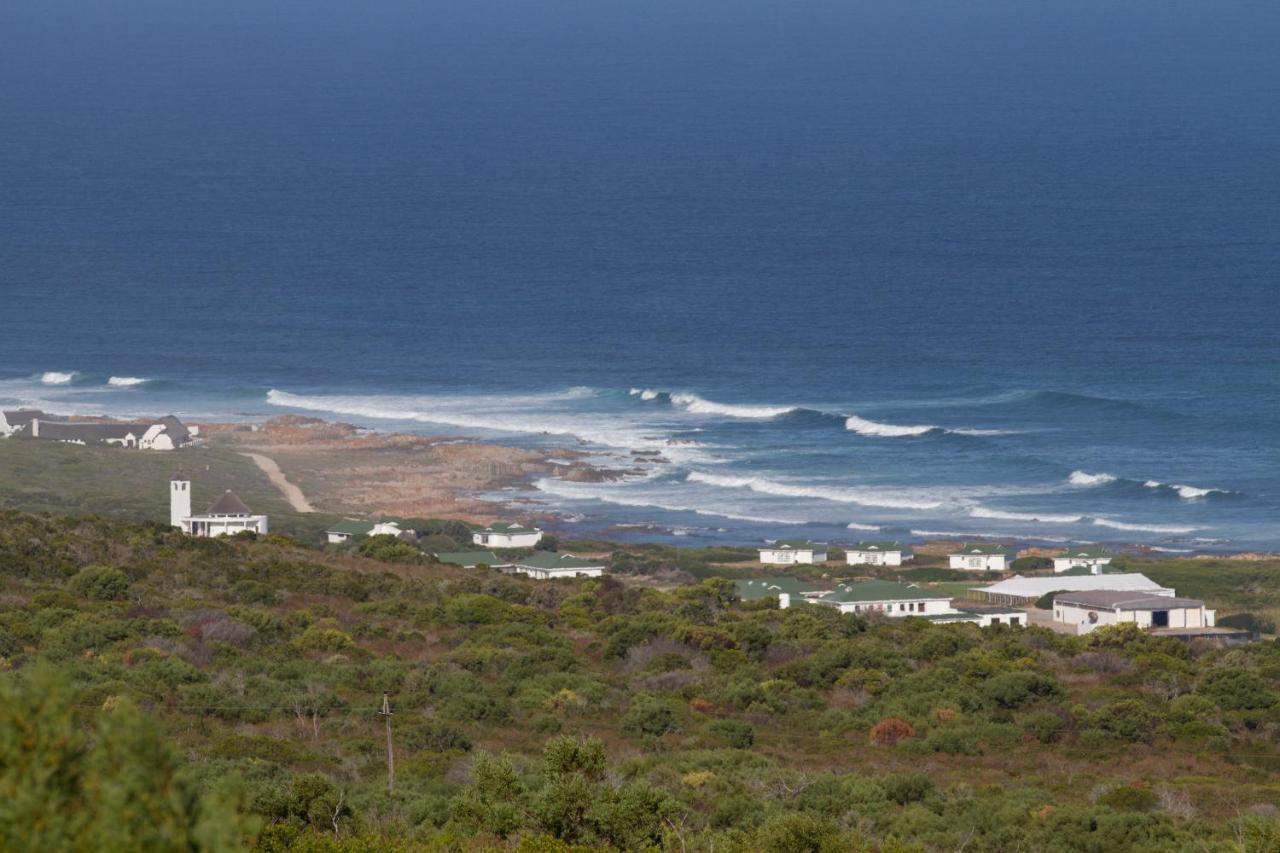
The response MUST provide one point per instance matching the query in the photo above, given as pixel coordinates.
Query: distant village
(1082, 594)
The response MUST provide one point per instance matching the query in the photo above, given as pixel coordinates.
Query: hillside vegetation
(161, 692)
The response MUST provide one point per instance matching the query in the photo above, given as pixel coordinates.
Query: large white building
(1090, 610)
(1090, 556)
(877, 554)
(167, 433)
(885, 598)
(1020, 590)
(981, 558)
(503, 535)
(791, 552)
(226, 516)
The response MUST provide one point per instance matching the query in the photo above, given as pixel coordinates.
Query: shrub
(1129, 798)
(1044, 726)
(1128, 720)
(907, 787)
(889, 731)
(1015, 689)
(736, 734)
(649, 716)
(799, 832)
(319, 639)
(101, 583)
(1236, 689)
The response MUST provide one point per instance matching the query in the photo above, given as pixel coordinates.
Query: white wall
(978, 562)
(1179, 617)
(179, 502)
(1063, 564)
(503, 540)
(873, 558)
(787, 557)
(898, 608)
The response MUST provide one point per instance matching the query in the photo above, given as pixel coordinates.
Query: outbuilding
(1019, 590)
(789, 552)
(1091, 556)
(472, 559)
(981, 558)
(885, 598)
(503, 535)
(877, 554)
(1096, 608)
(548, 565)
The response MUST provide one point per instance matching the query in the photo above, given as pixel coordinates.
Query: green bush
(735, 733)
(650, 717)
(1044, 726)
(1129, 798)
(101, 583)
(1235, 689)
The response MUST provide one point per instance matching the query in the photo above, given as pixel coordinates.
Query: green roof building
(886, 598)
(548, 565)
(1092, 557)
(980, 557)
(881, 553)
(471, 559)
(789, 552)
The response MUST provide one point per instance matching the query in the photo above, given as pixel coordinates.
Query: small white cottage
(503, 535)
(791, 552)
(1091, 556)
(877, 554)
(548, 565)
(981, 558)
(226, 516)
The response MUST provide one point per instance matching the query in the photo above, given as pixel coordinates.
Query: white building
(547, 565)
(981, 558)
(791, 552)
(18, 421)
(226, 516)
(503, 535)
(1092, 557)
(877, 554)
(886, 598)
(348, 529)
(1090, 610)
(1020, 590)
(167, 433)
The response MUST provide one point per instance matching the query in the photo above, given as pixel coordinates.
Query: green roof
(1091, 552)
(750, 589)
(973, 549)
(552, 560)
(350, 527)
(878, 546)
(506, 529)
(793, 545)
(470, 559)
(879, 591)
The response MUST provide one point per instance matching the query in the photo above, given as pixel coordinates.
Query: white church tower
(179, 501)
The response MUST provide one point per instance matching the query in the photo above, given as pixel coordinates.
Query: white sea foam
(853, 525)
(126, 381)
(56, 377)
(987, 534)
(836, 494)
(863, 426)
(1189, 493)
(1083, 478)
(1044, 518)
(645, 393)
(702, 406)
(1171, 550)
(1141, 528)
(613, 495)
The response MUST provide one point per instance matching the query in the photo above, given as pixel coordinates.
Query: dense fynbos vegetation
(161, 692)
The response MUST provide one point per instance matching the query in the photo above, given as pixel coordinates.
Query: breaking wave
(560, 488)
(126, 381)
(702, 406)
(1141, 528)
(860, 497)
(984, 512)
(1083, 478)
(1188, 493)
(56, 377)
(853, 525)
(866, 427)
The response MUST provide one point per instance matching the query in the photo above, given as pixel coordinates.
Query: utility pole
(391, 755)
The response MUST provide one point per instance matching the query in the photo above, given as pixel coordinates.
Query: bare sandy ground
(334, 467)
(291, 493)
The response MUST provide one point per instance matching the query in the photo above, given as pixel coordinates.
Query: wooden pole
(391, 755)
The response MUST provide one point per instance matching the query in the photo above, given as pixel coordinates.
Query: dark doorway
(1160, 619)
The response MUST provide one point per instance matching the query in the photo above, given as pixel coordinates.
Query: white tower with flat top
(179, 501)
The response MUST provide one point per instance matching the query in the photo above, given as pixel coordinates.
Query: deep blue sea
(863, 268)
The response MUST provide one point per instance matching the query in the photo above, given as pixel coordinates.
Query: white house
(981, 558)
(790, 552)
(886, 598)
(1019, 590)
(503, 535)
(877, 554)
(1090, 555)
(472, 559)
(1093, 609)
(226, 516)
(348, 529)
(547, 565)
(785, 589)
(167, 433)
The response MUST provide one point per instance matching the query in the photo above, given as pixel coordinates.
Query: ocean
(854, 270)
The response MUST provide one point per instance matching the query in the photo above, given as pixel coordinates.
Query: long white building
(786, 552)
(981, 558)
(503, 535)
(1088, 611)
(877, 554)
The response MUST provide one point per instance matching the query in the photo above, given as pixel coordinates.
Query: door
(1160, 619)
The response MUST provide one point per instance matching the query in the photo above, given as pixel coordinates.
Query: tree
(116, 785)
(101, 583)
